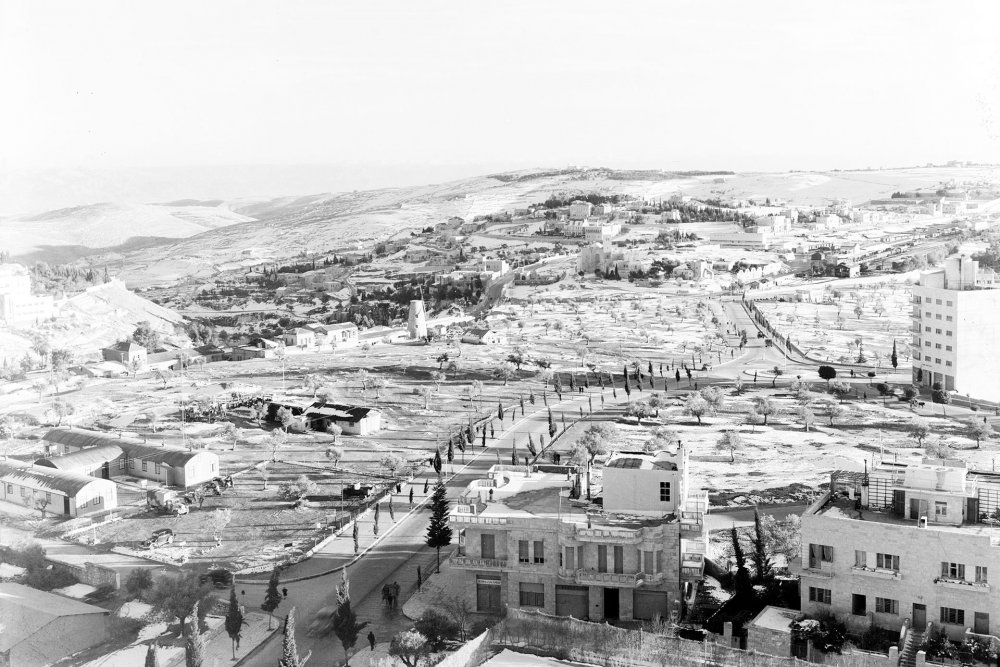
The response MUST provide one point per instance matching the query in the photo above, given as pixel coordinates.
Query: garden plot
(848, 323)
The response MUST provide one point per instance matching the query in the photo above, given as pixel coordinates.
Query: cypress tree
(272, 598)
(894, 359)
(437, 461)
(152, 660)
(438, 530)
(761, 561)
(742, 582)
(194, 645)
(234, 620)
(451, 452)
(289, 651)
(345, 621)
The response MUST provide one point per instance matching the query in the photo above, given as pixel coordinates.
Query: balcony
(962, 585)
(821, 572)
(470, 563)
(692, 573)
(609, 578)
(609, 536)
(877, 573)
(475, 519)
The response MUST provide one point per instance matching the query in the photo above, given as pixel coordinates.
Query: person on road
(284, 592)
(371, 639)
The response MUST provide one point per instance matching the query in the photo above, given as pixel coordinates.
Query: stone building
(915, 542)
(524, 542)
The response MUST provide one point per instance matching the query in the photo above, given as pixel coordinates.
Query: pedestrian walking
(399, 488)
(284, 592)
(411, 497)
(371, 639)
(420, 579)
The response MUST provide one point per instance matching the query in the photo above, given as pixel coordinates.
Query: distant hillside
(107, 224)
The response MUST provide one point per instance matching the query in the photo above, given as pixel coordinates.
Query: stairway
(908, 656)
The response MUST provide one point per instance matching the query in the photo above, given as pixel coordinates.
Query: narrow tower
(417, 323)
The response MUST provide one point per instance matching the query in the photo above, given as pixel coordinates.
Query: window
(532, 595)
(937, 317)
(144, 464)
(820, 595)
(937, 301)
(10, 488)
(24, 492)
(83, 504)
(937, 360)
(940, 509)
(121, 463)
(602, 558)
(937, 346)
(539, 548)
(981, 574)
(820, 553)
(952, 616)
(97, 500)
(937, 331)
(916, 299)
(927, 313)
(131, 464)
(48, 499)
(927, 343)
(157, 468)
(859, 604)
(927, 329)
(952, 570)
(860, 558)
(947, 332)
(619, 560)
(886, 606)
(887, 562)
(947, 363)
(949, 304)
(664, 492)
(522, 551)
(659, 561)
(948, 348)
(948, 318)
(570, 558)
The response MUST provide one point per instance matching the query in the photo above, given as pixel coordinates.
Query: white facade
(18, 306)
(580, 210)
(602, 232)
(955, 321)
(904, 542)
(755, 240)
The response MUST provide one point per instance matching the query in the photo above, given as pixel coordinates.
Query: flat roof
(841, 507)
(775, 618)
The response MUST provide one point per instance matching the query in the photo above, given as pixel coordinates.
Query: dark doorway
(611, 604)
(919, 617)
(66, 505)
(106, 470)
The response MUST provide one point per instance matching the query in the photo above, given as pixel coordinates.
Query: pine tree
(439, 531)
(194, 645)
(761, 561)
(289, 651)
(345, 621)
(272, 598)
(234, 620)
(742, 582)
(152, 659)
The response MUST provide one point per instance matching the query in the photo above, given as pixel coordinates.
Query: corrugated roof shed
(26, 610)
(136, 449)
(46, 479)
(85, 459)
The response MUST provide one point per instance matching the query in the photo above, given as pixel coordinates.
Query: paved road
(398, 553)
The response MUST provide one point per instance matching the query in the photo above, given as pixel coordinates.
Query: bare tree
(221, 518)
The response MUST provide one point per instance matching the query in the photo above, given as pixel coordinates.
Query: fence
(89, 573)
(602, 644)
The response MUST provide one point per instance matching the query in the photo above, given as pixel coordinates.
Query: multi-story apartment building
(956, 316)
(18, 306)
(913, 542)
(523, 542)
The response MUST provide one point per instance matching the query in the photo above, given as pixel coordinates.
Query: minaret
(417, 323)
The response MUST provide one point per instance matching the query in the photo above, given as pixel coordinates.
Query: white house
(481, 336)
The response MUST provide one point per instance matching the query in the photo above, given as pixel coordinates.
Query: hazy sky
(745, 85)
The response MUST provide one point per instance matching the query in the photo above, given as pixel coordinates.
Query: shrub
(883, 389)
(438, 628)
(909, 393)
(138, 582)
(47, 579)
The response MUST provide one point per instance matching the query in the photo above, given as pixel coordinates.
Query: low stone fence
(90, 573)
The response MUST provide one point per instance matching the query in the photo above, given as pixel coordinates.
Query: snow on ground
(830, 328)
(136, 655)
(75, 591)
(508, 658)
(8, 571)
